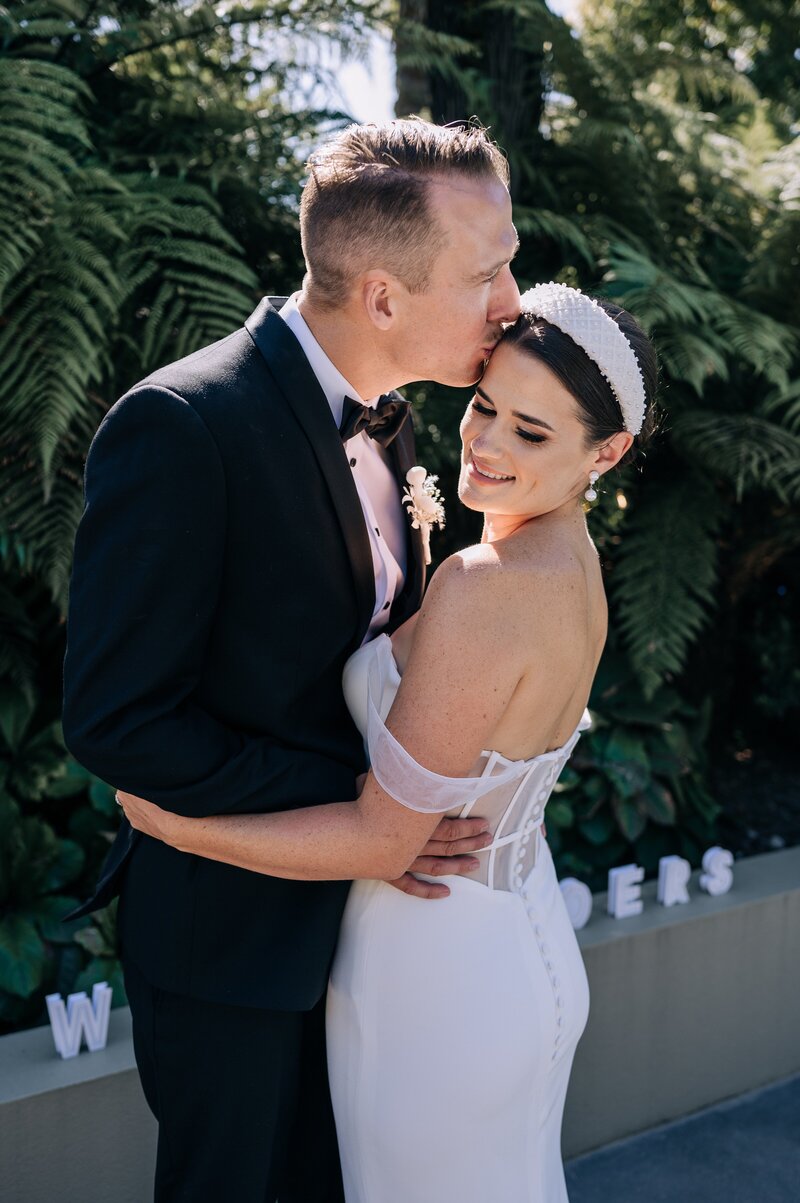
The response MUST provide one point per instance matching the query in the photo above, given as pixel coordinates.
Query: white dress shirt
(374, 479)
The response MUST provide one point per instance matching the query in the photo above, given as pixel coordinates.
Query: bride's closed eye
(527, 435)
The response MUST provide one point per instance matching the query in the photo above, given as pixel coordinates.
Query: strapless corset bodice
(514, 805)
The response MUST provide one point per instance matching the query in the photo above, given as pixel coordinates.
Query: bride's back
(552, 618)
(549, 620)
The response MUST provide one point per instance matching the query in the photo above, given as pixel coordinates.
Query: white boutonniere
(425, 506)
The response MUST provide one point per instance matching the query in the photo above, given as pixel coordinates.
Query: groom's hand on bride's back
(446, 852)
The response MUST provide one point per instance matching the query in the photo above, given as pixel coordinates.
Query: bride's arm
(459, 679)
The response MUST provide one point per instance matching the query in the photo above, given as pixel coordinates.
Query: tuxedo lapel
(296, 380)
(402, 455)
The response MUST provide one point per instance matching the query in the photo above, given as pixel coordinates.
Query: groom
(243, 535)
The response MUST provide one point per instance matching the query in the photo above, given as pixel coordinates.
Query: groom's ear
(380, 298)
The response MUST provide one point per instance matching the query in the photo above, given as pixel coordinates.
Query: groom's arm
(147, 569)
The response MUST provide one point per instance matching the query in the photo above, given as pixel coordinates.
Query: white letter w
(80, 1017)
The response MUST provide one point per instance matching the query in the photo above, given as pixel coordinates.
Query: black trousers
(241, 1098)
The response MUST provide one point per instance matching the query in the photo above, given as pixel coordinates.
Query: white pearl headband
(588, 325)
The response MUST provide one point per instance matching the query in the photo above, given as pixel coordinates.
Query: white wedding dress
(452, 1023)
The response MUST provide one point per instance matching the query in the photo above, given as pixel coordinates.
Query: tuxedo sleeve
(146, 576)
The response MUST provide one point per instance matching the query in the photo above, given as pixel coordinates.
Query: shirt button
(377, 532)
(353, 462)
(386, 607)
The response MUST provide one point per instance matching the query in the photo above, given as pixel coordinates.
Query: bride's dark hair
(598, 408)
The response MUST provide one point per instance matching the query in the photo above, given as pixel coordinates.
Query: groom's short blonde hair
(366, 200)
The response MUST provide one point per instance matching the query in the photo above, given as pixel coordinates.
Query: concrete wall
(76, 1131)
(690, 1004)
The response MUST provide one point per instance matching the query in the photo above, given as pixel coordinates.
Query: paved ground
(743, 1151)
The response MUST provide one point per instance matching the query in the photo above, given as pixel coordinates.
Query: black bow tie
(383, 423)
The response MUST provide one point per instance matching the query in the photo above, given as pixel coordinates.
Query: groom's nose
(504, 298)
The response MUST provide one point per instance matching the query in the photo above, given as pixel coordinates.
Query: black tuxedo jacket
(222, 576)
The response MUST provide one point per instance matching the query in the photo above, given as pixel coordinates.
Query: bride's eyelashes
(527, 435)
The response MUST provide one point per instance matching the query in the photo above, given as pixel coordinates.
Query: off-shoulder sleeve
(409, 782)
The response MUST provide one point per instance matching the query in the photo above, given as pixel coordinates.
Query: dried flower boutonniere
(425, 507)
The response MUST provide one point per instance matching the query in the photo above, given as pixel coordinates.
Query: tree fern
(108, 270)
(698, 323)
(63, 315)
(664, 575)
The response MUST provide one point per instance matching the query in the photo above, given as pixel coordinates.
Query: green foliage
(634, 789)
(151, 155)
(117, 269)
(150, 163)
(56, 822)
(147, 159)
(654, 160)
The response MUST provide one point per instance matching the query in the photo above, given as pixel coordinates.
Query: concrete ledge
(77, 1129)
(690, 1004)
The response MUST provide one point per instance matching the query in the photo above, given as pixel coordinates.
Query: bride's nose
(483, 445)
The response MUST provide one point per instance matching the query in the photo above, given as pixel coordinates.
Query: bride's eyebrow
(516, 413)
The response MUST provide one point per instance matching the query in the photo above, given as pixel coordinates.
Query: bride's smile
(484, 475)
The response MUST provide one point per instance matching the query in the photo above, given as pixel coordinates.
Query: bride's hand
(150, 819)
(445, 853)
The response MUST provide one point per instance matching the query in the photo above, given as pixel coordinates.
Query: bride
(474, 705)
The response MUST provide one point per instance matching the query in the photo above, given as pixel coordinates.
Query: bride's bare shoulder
(466, 576)
(504, 587)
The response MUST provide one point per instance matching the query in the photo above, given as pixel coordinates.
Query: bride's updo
(598, 408)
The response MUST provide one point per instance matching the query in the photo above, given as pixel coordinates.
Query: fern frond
(664, 575)
(769, 347)
(40, 514)
(32, 20)
(703, 80)
(598, 137)
(788, 400)
(41, 127)
(748, 450)
(692, 357)
(656, 296)
(563, 230)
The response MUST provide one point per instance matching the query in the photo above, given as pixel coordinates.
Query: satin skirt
(451, 1030)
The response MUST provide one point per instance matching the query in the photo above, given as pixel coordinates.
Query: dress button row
(548, 964)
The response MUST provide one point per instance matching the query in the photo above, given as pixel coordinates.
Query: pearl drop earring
(591, 492)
